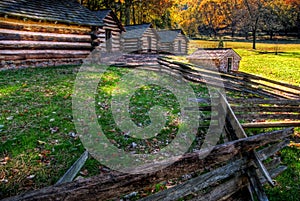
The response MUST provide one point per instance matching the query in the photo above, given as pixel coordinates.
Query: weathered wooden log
(204, 76)
(41, 56)
(272, 124)
(229, 190)
(74, 169)
(41, 62)
(256, 185)
(246, 109)
(248, 84)
(238, 131)
(43, 27)
(110, 186)
(267, 80)
(257, 101)
(41, 36)
(279, 89)
(263, 116)
(215, 176)
(224, 191)
(39, 45)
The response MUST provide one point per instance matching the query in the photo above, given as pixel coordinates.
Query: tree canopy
(209, 17)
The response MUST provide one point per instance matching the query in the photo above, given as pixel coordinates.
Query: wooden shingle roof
(70, 11)
(212, 53)
(168, 36)
(136, 31)
(101, 15)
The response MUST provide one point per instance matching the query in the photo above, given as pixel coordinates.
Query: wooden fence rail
(237, 171)
(234, 167)
(240, 82)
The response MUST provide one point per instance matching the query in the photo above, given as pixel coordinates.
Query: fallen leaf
(84, 172)
(41, 142)
(4, 160)
(4, 181)
(73, 135)
(10, 118)
(31, 176)
(54, 130)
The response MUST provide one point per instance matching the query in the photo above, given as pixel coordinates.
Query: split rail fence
(235, 169)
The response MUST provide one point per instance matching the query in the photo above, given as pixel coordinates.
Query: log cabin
(44, 33)
(173, 42)
(141, 38)
(224, 59)
(108, 35)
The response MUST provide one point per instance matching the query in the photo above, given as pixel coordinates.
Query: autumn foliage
(210, 17)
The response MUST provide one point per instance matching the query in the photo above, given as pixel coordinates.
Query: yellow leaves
(295, 145)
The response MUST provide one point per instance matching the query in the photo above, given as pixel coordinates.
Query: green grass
(36, 123)
(288, 183)
(285, 66)
(34, 101)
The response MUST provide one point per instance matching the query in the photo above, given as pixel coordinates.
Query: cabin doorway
(229, 64)
(179, 46)
(149, 44)
(108, 40)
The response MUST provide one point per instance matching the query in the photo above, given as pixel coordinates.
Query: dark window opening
(149, 44)
(229, 64)
(108, 40)
(179, 46)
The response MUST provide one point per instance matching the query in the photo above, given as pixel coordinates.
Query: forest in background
(211, 18)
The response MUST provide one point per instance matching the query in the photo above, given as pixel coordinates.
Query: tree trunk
(133, 15)
(254, 31)
(254, 39)
(298, 25)
(271, 35)
(127, 12)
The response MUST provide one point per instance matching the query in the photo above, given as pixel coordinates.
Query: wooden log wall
(141, 44)
(112, 25)
(173, 47)
(32, 43)
(184, 45)
(150, 32)
(166, 48)
(131, 45)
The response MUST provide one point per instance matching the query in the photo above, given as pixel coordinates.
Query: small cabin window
(229, 64)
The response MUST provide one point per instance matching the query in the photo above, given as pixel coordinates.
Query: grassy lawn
(37, 140)
(285, 66)
(38, 137)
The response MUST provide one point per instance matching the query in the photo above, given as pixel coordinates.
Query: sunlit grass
(285, 66)
(35, 102)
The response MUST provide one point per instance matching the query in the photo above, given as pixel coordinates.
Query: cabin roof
(70, 11)
(101, 14)
(212, 53)
(136, 31)
(168, 36)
